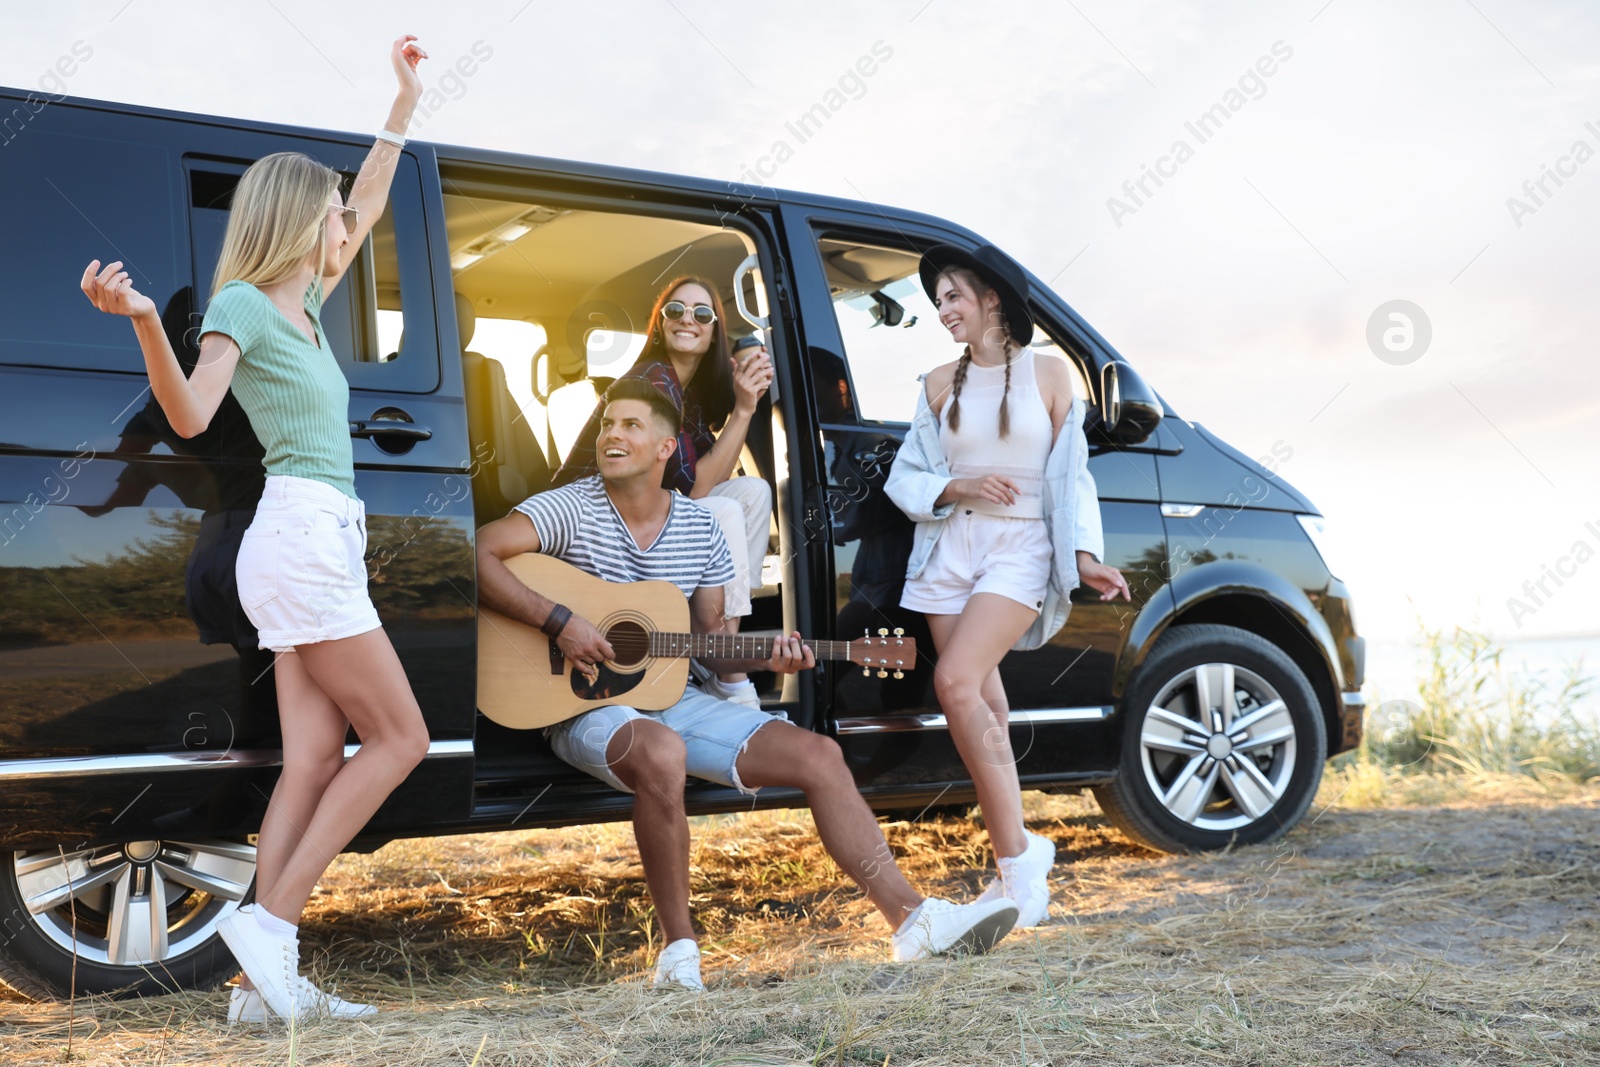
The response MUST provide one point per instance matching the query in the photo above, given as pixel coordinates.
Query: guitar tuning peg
(866, 672)
(883, 674)
(899, 674)
(899, 631)
(882, 632)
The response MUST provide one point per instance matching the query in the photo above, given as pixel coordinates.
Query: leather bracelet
(556, 621)
(391, 137)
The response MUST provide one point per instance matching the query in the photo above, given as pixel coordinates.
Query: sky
(1360, 153)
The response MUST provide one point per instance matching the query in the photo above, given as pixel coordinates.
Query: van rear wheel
(1223, 743)
(140, 917)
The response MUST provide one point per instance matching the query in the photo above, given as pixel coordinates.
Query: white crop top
(977, 448)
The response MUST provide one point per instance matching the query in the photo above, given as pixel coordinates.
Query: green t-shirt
(294, 393)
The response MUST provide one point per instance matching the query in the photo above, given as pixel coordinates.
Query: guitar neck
(734, 646)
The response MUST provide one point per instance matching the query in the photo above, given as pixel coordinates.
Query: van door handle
(390, 428)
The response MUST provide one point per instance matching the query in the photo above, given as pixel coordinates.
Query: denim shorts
(715, 733)
(302, 572)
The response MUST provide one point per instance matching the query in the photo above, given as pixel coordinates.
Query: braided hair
(979, 288)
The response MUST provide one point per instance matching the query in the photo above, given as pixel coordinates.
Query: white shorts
(302, 572)
(978, 553)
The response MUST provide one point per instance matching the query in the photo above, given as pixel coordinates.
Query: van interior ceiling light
(503, 235)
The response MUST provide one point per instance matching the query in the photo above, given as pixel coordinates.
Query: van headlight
(1316, 529)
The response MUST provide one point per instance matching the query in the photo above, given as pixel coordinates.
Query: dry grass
(1461, 931)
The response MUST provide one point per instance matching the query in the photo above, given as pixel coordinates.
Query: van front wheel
(140, 917)
(1223, 743)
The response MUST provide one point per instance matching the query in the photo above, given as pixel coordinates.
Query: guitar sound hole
(631, 643)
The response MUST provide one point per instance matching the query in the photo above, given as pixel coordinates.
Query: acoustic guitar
(524, 681)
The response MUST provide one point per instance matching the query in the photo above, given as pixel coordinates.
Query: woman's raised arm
(189, 403)
(371, 191)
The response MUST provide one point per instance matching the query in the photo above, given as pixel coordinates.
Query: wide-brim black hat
(999, 270)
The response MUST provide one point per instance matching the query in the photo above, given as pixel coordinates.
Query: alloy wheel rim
(1218, 746)
(137, 903)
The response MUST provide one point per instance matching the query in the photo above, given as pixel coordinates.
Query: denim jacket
(1071, 506)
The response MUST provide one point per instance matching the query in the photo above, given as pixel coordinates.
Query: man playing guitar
(621, 525)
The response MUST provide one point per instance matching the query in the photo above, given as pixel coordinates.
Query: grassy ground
(1437, 905)
(1464, 930)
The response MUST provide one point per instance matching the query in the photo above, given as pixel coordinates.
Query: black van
(138, 727)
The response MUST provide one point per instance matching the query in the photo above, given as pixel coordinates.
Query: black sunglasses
(674, 310)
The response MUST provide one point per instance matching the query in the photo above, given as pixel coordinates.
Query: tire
(108, 917)
(1185, 786)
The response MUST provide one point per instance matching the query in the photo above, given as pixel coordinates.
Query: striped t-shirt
(293, 391)
(579, 525)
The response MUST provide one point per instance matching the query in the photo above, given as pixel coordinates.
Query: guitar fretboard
(734, 646)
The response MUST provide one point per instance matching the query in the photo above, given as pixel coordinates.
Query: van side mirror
(1130, 408)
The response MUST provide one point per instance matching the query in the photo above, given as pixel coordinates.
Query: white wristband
(392, 138)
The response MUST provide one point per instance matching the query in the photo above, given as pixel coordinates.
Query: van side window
(1046, 345)
(363, 318)
(891, 334)
(890, 330)
(57, 212)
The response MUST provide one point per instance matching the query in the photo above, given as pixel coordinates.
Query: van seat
(509, 464)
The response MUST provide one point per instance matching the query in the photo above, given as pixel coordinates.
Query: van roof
(597, 171)
(492, 157)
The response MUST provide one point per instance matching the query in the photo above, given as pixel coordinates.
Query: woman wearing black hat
(994, 472)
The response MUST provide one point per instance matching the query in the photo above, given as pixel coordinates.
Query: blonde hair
(276, 221)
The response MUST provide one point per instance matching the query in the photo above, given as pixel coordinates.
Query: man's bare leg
(782, 754)
(648, 757)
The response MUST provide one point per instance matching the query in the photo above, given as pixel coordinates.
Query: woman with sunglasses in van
(994, 472)
(687, 356)
(301, 574)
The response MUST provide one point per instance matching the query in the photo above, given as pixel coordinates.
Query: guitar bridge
(556, 659)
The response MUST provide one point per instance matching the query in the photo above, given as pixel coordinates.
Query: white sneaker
(246, 1005)
(679, 965)
(332, 1005)
(335, 1007)
(272, 963)
(937, 926)
(1025, 879)
(735, 692)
